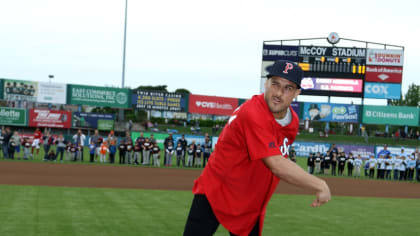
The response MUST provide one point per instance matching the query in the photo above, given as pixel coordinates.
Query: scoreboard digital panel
(333, 62)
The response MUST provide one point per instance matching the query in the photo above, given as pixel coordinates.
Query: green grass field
(40, 210)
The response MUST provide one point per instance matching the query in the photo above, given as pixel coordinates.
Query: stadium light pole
(124, 45)
(121, 111)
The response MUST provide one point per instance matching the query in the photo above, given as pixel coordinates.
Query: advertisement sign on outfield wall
(49, 118)
(212, 105)
(384, 74)
(52, 93)
(93, 120)
(382, 90)
(20, 90)
(304, 148)
(391, 115)
(160, 101)
(13, 116)
(385, 57)
(98, 96)
(330, 112)
(364, 150)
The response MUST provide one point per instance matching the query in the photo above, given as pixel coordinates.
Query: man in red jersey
(250, 159)
(36, 141)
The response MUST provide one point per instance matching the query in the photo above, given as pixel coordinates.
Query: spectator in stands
(207, 149)
(61, 145)
(311, 163)
(79, 142)
(165, 145)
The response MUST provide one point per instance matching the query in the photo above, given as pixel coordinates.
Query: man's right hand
(323, 196)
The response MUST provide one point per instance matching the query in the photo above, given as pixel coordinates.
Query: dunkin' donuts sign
(212, 105)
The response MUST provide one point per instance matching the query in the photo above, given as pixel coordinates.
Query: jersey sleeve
(260, 138)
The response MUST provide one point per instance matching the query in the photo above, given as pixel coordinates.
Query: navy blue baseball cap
(286, 69)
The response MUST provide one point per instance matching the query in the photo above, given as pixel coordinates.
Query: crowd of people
(181, 153)
(402, 166)
(141, 151)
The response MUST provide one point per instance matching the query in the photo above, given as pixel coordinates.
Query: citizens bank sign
(391, 115)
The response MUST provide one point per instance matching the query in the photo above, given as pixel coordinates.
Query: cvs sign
(382, 90)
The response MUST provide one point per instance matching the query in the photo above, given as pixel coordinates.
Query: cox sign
(382, 90)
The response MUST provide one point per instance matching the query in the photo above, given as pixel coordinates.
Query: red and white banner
(382, 57)
(384, 74)
(48, 118)
(200, 104)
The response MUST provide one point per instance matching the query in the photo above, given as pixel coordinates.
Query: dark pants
(5, 151)
(205, 158)
(92, 157)
(334, 169)
(122, 157)
(396, 172)
(418, 174)
(350, 170)
(388, 174)
(111, 157)
(46, 150)
(371, 173)
(61, 151)
(402, 175)
(202, 221)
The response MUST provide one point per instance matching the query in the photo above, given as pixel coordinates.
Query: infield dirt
(87, 175)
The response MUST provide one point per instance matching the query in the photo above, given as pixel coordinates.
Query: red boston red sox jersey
(236, 181)
(37, 135)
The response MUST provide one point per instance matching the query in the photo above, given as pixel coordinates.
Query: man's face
(279, 94)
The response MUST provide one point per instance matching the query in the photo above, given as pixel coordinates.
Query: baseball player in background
(249, 160)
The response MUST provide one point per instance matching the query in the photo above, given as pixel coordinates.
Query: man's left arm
(291, 173)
